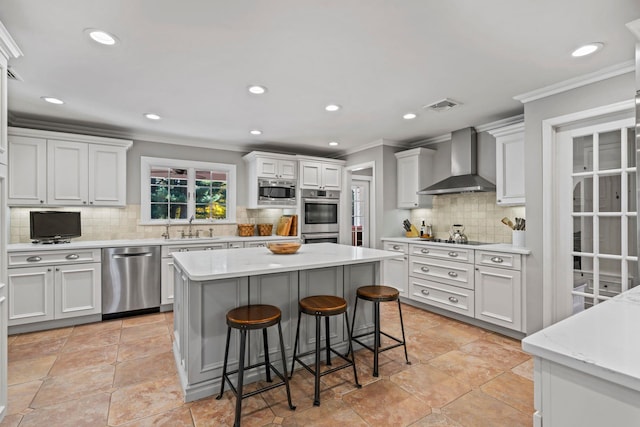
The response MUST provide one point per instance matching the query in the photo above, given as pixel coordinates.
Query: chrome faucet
(191, 226)
(211, 232)
(166, 232)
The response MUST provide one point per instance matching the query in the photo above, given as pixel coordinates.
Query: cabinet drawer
(441, 252)
(21, 259)
(396, 247)
(450, 298)
(168, 250)
(498, 259)
(452, 273)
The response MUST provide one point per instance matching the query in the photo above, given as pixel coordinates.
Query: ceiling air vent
(11, 75)
(442, 105)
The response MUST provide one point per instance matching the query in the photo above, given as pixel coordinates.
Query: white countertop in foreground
(496, 247)
(226, 263)
(603, 341)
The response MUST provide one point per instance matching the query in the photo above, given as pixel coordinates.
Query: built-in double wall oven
(320, 216)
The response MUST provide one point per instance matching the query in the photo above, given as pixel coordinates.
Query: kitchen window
(173, 191)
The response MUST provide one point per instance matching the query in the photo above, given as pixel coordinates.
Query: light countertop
(495, 247)
(93, 244)
(603, 341)
(226, 263)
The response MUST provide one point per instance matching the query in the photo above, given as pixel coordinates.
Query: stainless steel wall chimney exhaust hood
(464, 177)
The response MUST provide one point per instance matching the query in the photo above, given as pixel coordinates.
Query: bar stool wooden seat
(323, 306)
(246, 318)
(378, 294)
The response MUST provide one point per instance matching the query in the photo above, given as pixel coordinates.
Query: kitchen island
(210, 283)
(586, 369)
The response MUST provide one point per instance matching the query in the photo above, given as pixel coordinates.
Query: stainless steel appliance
(280, 192)
(130, 280)
(320, 211)
(320, 238)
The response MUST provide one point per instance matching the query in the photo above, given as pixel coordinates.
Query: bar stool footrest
(260, 390)
(328, 371)
(381, 349)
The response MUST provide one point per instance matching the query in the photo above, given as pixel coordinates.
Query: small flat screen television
(54, 226)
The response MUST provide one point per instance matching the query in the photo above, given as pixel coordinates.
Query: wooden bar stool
(246, 318)
(378, 294)
(323, 306)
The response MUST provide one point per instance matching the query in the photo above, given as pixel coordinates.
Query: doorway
(360, 210)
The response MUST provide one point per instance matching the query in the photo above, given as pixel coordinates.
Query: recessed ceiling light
(52, 100)
(333, 143)
(332, 107)
(410, 116)
(257, 90)
(102, 37)
(255, 132)
(587, 49)
(152, 116)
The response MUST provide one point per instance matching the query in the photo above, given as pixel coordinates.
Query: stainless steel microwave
(276, 192)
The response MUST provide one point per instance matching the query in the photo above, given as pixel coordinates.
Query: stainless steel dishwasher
(130, 280)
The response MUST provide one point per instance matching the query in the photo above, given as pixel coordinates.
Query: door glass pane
(631, 148)
(609, 153)
(632, 205)
(632, 237)
(633, 274)
(610, 190)
(583, 234)
(610, 235)
(583, 194)
(610, 273)
(583, 154)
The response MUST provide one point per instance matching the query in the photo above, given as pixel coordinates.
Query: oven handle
(322, 201)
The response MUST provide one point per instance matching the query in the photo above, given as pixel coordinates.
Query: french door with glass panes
(360, 211)
(596, 202)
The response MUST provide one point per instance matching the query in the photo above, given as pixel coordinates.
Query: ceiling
(191, 62)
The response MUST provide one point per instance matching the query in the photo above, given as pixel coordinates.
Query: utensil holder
(518, 239)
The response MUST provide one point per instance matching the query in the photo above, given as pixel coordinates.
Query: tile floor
(122, 373)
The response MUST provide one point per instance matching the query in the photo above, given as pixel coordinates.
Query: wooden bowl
(284, 248)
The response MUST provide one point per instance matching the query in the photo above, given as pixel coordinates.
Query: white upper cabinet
(509, 164)
(268, 167)
(53, 169)
(415, 172)
(320, 175)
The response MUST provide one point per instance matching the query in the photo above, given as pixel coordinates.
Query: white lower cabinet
(395, 271)
(42, 293)
(499, 296)
(452, 298)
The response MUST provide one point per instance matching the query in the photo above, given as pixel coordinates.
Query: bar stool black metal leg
(376, 336)
(243, 341)
(353, 355)
(328, 338)
(404, 340)
(224, 367)
(266, 354)
(295, 346)
(284, 367)
(353, 323)
(316, 397)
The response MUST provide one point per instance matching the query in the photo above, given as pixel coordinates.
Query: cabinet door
(510, 166)
(107, 175)
(67, 172)
(499, 297)
(267, 167)
(310, 175)
(30, 295)
(395, 273)
(287, 169)
(27, 171)
(408, 184)
(331, 177)
(167, 281)
(78, 290)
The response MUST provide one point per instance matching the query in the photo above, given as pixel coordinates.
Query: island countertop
(226, 263)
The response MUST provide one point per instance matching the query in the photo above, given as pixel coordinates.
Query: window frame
(146, 163)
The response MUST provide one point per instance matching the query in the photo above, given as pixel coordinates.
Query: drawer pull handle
(425, 269)
(425, 251)
(424, 292)
(453, 299)
(452, 274)
(34, 259)
(72, 256)
(497, 259)
(453, 254)
(396, 247)
(183, 250)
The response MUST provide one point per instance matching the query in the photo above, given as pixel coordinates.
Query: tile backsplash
(124, 223)
(478, 213)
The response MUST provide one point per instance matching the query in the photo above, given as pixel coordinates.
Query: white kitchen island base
(239, 277)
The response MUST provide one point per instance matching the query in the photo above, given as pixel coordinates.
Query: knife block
(413, 232)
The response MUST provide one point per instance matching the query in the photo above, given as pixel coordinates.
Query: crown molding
(634, 27)
(500, 123)
(584, 80)
(507, 130)
(8, 46)
(377, 143)
(432, 141)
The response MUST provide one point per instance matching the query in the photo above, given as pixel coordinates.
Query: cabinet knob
(84, 202)
(497, 259)
(424, 292)
(453, 254)
(453, 299)
(425, 269)
(72, 256)
(90, 203)
(48, 269)
(424, 251)
(34, 259)
(452, 274)
(396, 247)
(41, 201)
(57, 269)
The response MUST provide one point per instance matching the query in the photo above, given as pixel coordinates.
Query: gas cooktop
(469, 243)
